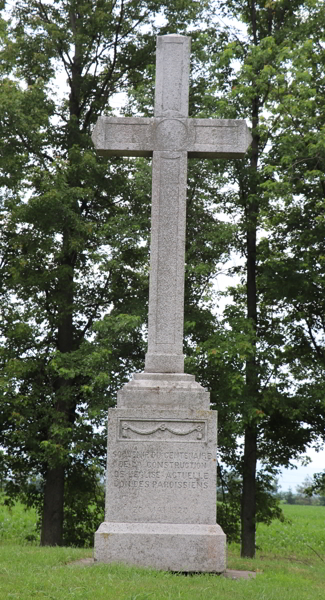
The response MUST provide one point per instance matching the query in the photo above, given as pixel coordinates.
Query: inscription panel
(161, 469)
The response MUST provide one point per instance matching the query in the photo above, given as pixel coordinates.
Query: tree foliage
(74, 244)
(75, 240)
(75, 230)
(261, 388)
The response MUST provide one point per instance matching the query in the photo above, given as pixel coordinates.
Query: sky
(290, 478)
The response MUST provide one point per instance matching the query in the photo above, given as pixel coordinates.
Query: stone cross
(160, 508)
(169, 137)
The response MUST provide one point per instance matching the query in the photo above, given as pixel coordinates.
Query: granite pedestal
(161, 478)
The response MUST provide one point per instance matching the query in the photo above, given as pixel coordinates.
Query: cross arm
(123, 136)
(218, 138)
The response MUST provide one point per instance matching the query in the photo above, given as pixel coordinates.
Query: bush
(229, 507)
(84, 508)
(84, 503)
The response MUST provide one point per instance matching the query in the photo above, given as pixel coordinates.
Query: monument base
(163, 546)
(161, 477)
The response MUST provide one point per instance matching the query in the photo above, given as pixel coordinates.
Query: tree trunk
(248, 506)
(52, 519)
(248, 500)
(53, 509)
(53, 513)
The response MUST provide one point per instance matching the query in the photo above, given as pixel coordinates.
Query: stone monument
(162, 438)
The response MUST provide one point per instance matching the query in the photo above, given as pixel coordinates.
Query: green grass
(305, 533)
(17, 525)
(289, 566)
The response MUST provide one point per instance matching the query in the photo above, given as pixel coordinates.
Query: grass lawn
(290, 565)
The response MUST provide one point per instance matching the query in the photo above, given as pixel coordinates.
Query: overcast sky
(292, 477)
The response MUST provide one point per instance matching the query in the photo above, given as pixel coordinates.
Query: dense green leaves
(75, 231)
(74, 243)
(269, 72)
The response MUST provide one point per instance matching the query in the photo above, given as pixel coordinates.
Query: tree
(290, 498)
(229, 502)
(249, 69)
(294, 251)
(241, 358)
(316, 486)
(75, 238)
(302, 496)
(248, 90)
(75, 234)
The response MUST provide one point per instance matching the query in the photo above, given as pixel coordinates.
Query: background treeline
(310, 492)
(291, 497)
(75, 242)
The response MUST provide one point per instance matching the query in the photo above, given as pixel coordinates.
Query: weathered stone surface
(233, 574)
(167, 257)
(161, 482)
(129, 136)
(161, 466)
(168, 547)
(200, 138)
(162, 438)
(164, 390)
(170, 137)
(172, 76)
(216, 138)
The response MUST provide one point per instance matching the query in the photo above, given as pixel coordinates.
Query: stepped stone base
(168, 547)
(163, 390)
(161, 478)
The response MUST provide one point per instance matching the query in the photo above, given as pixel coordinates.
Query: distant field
(305, 534)
(290, 565)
